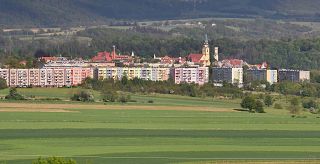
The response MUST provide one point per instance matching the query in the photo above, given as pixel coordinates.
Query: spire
(206, 39)
(132, 54)
(114, 52)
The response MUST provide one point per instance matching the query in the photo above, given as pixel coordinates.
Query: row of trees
(109, 87)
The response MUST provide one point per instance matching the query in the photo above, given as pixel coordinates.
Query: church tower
(206, 52)
(216, 54)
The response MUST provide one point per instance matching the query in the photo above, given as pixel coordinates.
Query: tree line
(284, 53)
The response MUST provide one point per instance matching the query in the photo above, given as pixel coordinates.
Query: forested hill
(89, 12)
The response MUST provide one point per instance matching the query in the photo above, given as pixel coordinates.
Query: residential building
(148, 73)
(4, 73)
(196, 75)
(227, 75)
(34, 77)
(45, 77)
(293, 75)
(262, 75)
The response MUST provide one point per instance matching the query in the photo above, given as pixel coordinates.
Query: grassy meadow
(173, 129)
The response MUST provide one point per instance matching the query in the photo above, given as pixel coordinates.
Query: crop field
(173, 129)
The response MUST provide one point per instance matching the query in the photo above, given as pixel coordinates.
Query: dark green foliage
(150, 101)
(278, 106)
(14, 95)
(84, 96)
(124, 98)
(310, 104)
(268, 100)
(3, 84)
(259, 107)
(108, 87)
(109, 96)
(54, 160)
(248, 103)
(294, 107)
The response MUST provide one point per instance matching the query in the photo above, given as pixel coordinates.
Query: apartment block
(34, 77)
(153, 74)
(45, 77)
(197, 75)
(4, 73)
(262, 75)
(293, 75)
(228, 75)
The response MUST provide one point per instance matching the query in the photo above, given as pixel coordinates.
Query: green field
(138, 133)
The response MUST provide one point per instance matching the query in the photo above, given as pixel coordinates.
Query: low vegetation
(3, 84)
(54, 160)
(84, 96)
(14, 95)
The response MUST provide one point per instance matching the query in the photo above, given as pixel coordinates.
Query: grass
(126, 134)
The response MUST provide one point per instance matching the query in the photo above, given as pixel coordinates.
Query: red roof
(235, 62)
(195, 58)
(102, 56)
(108, 57)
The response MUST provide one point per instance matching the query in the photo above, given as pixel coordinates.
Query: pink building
(197, 75)
(34, 77)
(4, 73)
(46, 77)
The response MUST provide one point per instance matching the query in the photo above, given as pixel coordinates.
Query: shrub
(124, 98)
(83, 96)
(54, 160)
(150, 101)
(268, 100)
(294, 107)
(14, 95)
(3, 84)
(110, 96)
(259, 107)
(310, 104)
(278, 106)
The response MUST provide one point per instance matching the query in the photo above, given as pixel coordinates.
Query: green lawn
(157, 136)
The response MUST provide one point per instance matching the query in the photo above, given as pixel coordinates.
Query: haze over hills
(92, 12)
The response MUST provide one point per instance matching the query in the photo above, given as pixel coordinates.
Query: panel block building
(293, 75)
(228, 75)
(117, 73)
(262, 75)
(197, 75)
(45, 77)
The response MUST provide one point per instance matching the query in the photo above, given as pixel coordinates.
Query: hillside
(91, 12)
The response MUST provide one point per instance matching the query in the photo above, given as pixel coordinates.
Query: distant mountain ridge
(90, 12)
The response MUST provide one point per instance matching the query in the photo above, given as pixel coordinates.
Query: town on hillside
(194, 68)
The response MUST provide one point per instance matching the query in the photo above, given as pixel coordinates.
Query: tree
(54, 160)
(110, 96)
(248, 103)
(14, 95)
(3, 84)
(294, 107)
(84, 96)
(259, 107)
(268, 100)
(124, 98)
